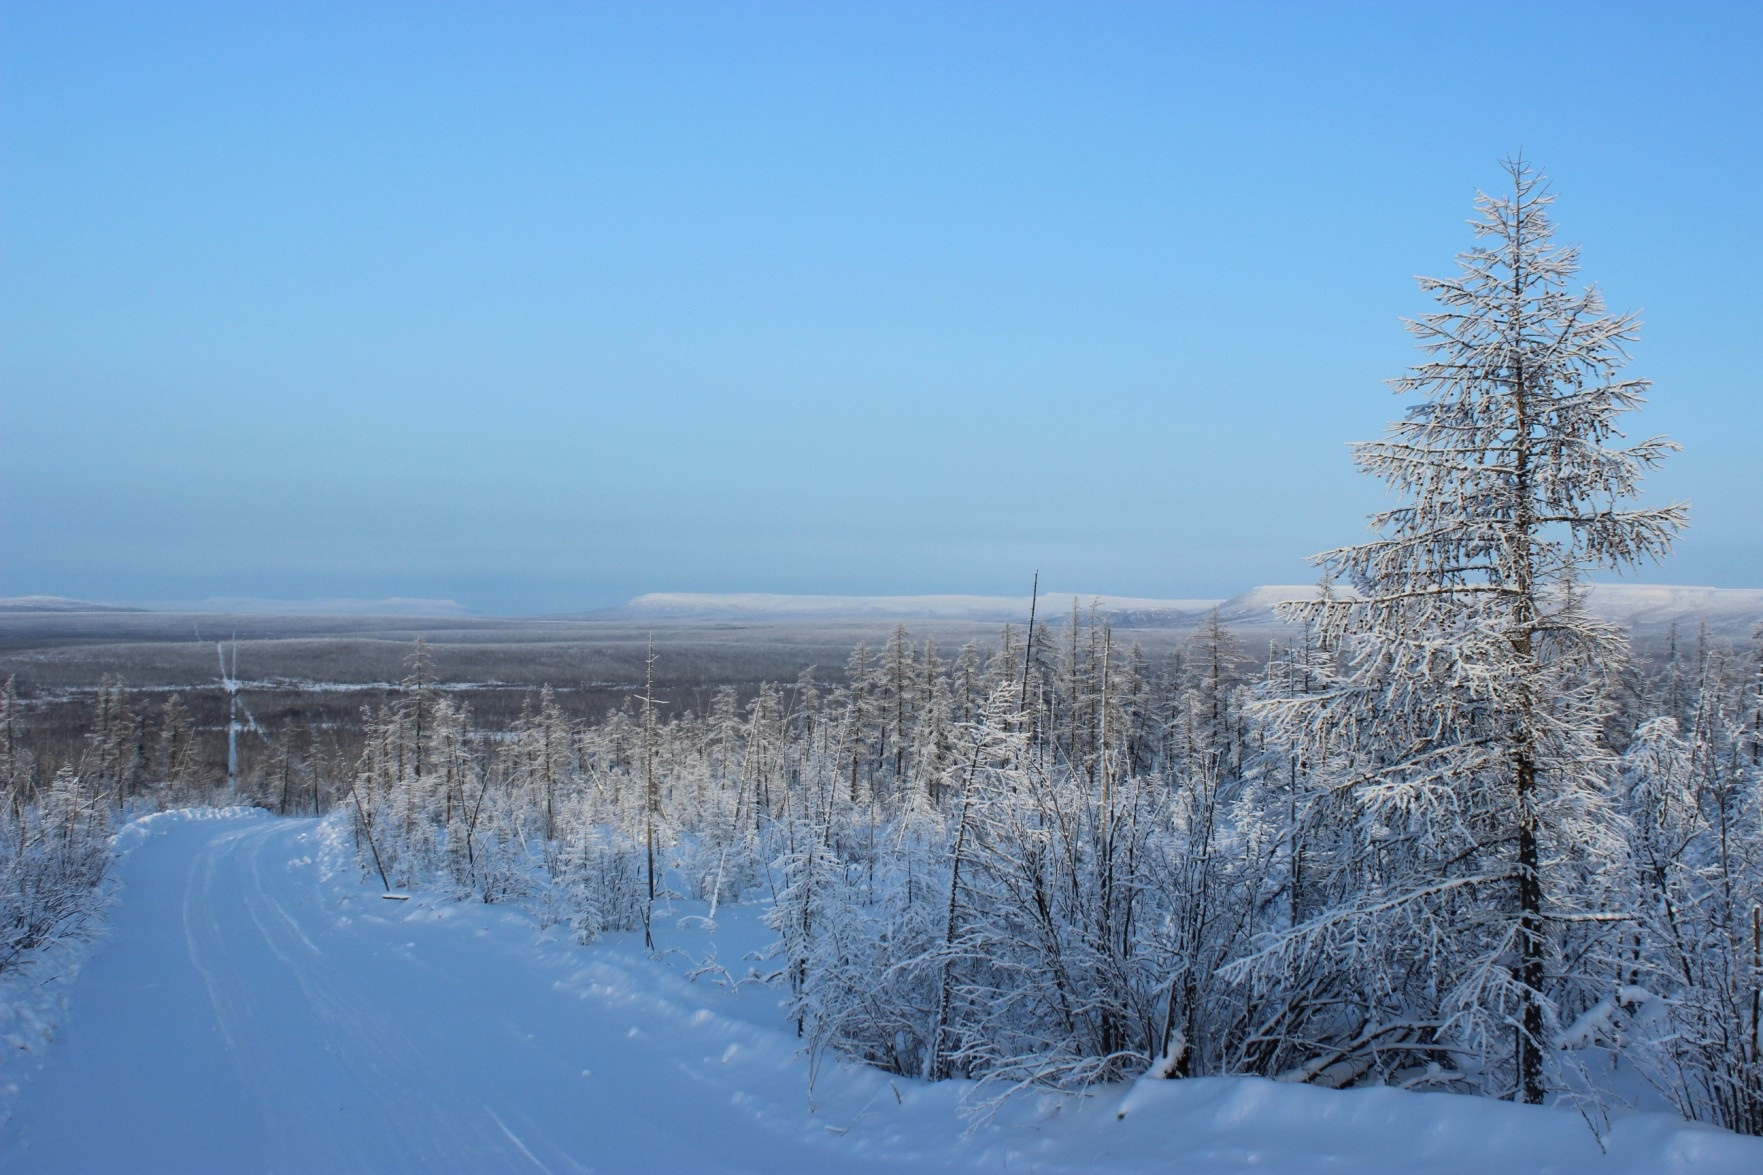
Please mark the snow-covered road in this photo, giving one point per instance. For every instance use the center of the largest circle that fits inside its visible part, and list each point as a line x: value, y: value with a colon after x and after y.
x: 252, y: 1009
x: 235, y: 1021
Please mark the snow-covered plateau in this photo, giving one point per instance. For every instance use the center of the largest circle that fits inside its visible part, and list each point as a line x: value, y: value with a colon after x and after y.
x: 252, y: 1005
x: 1727, y: 611
x: 1730, y: 611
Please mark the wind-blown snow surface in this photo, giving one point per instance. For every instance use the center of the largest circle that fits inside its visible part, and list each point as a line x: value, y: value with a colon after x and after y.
x: 256, y: 1008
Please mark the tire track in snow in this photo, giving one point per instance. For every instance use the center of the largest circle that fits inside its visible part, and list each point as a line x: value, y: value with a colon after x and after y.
x: 455, y: 1117
x: 437, y: 1119
x: 249, y: 1014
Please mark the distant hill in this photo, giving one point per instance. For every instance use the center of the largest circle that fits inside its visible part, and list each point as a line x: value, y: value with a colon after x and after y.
x: 390, y: 606
x: 58, y: 604
x: 1648, y: 609
x: 246, y: 606
x: 761, y: 607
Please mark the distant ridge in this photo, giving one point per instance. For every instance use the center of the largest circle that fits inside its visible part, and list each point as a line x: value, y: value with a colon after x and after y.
x: 1728, y: 611
x: 1646, y: 608
x: 58, y: 604
x: 242, y: 605
x: 761, y: 606
x: 1256, y: 607
x: 339, y: 606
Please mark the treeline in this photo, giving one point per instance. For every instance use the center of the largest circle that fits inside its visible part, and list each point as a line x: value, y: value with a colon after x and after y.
x: 161, y: 748
x: 1041, y: 863
x: 63, y: 786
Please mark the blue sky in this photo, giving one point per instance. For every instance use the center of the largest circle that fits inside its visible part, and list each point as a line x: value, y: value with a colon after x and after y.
x: 538, y: 306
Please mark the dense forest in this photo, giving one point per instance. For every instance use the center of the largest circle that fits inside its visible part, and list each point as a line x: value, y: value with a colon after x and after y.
x: 1446, y: 832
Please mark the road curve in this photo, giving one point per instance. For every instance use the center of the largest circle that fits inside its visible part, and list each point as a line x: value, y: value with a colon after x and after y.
x: 239, y: 1019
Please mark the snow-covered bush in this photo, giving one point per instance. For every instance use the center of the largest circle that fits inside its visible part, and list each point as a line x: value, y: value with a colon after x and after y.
x: 1695, y: 801
x: 53, y: 855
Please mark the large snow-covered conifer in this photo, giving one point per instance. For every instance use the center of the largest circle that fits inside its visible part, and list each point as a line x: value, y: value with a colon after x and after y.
x: 1465, y: 727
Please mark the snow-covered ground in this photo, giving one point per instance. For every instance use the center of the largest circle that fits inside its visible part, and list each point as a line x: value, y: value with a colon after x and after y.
x: 255, y: 1007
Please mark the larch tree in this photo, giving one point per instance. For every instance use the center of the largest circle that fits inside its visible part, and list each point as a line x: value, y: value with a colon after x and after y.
x: 1465, y: 723
x: 177, y: 742
x: 15, y: 790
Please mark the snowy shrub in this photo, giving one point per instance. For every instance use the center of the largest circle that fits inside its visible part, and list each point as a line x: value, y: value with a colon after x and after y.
x: 603, y: 882
x: 1696, y: 807
x: 53, y: 855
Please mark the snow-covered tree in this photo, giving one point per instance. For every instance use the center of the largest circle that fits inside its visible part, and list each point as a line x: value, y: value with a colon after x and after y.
x: 51, y: 862
x: 15, y: 789
x: 114, y: 746
x: 1212, y: 668
x: 1696, y: 829
x: 177, y: 743
x: 1466, y: 725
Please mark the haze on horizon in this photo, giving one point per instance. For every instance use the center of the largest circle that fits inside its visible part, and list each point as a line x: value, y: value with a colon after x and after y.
x: 540, y: 308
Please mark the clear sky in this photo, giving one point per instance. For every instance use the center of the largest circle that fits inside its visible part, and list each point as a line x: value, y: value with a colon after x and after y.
x: 537, y: 306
